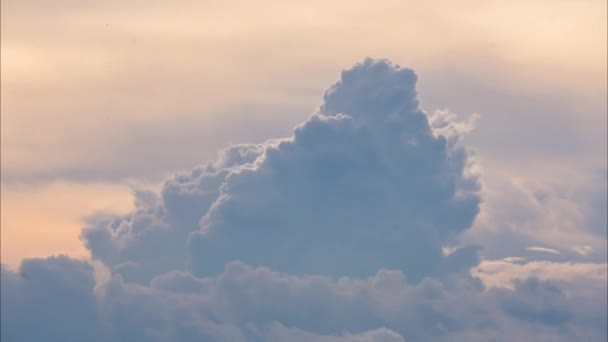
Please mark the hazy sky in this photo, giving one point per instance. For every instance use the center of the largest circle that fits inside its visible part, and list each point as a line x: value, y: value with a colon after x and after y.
x: 94, y: 93
x: 101, y: 99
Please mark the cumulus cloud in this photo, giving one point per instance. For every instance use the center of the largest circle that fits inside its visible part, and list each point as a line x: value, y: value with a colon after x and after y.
x: 349, y: 230
x: 366, y: 182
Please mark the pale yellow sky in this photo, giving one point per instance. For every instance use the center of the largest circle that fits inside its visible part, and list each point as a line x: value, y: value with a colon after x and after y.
x: 97, y: 91
x: 43, y: 220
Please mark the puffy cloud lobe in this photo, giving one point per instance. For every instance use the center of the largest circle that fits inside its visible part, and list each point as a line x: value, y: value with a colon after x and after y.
x: 363, y: 184
x: 152, y: 239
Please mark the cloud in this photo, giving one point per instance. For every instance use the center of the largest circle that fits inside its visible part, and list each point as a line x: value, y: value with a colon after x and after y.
x: 244, y: 303
x: 278, y: 332
x: 130, y: 244
x: 49, y: 300
x: 503, y: 273
x: 364, y: 183
x: 583, y: 250
x: 565, y: 217
x: 351, y: 229
x: 543, y: 250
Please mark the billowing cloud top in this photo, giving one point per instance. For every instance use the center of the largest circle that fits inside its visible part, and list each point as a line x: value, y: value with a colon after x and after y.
x: 364, y: 183
x: 346, y: 231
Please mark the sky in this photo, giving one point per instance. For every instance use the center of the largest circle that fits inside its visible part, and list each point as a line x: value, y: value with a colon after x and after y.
x: 319, y: 171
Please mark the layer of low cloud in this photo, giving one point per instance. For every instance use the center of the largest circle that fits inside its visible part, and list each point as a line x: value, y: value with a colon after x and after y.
x: 503, y: 273
x: 56, y: 300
